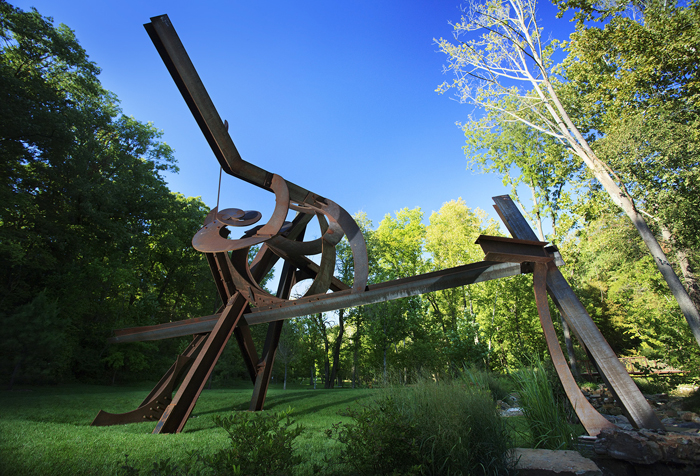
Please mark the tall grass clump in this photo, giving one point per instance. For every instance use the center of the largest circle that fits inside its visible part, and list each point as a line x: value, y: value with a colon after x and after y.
x: 455, y: 428
x: 545, y: 413
x: 379, y: 440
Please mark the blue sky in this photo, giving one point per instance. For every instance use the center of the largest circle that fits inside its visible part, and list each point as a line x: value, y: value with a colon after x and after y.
x: 337, y: 97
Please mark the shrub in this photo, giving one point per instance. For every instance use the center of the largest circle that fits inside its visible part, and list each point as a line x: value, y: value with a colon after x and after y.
x: 261, y: 443
x: 379, y: 440
x: 428, y: 428
x: 545, y: 413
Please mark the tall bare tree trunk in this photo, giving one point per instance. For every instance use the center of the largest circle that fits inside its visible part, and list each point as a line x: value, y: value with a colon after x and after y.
x: 691, y: 280
x: 336, y: 348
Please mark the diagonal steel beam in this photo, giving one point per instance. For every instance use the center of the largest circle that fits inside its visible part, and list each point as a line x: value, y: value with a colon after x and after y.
x: 176, y: 59
x: 436, y: 281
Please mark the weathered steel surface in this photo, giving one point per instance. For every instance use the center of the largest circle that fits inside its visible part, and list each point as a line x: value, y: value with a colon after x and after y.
x: 185, y: 327
x: 634, y: 405
x: 344, y: 298
x: 178, y: 411
x: 498, y: 248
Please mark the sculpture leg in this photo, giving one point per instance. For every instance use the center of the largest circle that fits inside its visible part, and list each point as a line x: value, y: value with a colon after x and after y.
x: 591, y: 420
x: 154, y: 404
x: 272, y: 339
x: 220, y: 266
x: 176, y: 413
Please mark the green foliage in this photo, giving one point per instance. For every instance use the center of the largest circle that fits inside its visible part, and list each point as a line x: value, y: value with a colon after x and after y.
x: 46, y: 430
x: 260, y: 443
x: 545, y: 413
x: 614, y: 277
x: 379, y: 440
x: 507, y: 316
x: 85, y: 214
x: 36, y: 337
x: 427, y: 428
x: 166, y: 467
x: 632, y: 80
x: 524, y: 156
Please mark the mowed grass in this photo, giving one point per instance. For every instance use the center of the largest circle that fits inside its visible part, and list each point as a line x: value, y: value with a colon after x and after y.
x: 46, y: 430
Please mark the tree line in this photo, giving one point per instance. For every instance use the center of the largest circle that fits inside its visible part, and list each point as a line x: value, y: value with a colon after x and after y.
x: 492, y: 325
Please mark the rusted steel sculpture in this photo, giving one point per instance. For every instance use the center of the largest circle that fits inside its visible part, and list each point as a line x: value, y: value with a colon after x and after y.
x: 246, y: 303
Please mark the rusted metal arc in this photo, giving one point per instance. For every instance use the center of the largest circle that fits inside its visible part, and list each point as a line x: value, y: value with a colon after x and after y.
x: 237, y: 217
x: 244, y: 281
x: 356, y: 241
x: 209, y: 240
x: 591, y: 420
x: 634, y: 405
x: 331, y: 236
x: 322, y: 281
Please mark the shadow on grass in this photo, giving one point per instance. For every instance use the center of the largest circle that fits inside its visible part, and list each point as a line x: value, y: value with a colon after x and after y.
x: 293, y: 399
x: 317, y: 408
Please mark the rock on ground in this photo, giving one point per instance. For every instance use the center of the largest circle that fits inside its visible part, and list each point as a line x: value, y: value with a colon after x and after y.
x: 532, y: 462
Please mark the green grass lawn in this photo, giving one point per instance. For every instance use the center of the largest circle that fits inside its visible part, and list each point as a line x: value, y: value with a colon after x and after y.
x: 46, y: 430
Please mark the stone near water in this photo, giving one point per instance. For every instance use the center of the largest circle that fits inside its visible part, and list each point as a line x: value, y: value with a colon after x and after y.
x: 647, y: 447
x: 532, y: 462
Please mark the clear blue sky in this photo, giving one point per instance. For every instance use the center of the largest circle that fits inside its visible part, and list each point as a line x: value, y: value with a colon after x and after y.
x: 337, y: 97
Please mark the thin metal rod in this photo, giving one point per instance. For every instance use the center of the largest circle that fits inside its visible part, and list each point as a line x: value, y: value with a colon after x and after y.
x: 218, y: 191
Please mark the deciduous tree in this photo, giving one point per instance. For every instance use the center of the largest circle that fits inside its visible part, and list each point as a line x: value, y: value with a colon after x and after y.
x: 508, y: 69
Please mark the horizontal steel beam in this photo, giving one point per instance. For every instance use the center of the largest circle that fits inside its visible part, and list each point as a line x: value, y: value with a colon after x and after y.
x: 185, y: 327
x: 510, y: 250
x: 390, y: 290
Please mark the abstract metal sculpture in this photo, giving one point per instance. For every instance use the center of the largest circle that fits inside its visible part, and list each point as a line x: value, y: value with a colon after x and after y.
x: 246, y: 303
